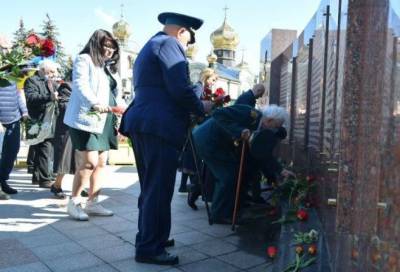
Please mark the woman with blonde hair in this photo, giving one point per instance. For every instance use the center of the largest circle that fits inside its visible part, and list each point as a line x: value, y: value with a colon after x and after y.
x: 208, y: 78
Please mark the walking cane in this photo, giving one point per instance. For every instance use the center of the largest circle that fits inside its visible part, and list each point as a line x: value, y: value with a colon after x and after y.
x: 203, y: 190
x: 239, y: 182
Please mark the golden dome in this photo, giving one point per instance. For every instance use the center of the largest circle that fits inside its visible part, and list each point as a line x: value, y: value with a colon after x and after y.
x: 224, y: 37
x: 191, y: 51
x: 212, y: 58
x: 121, y: 30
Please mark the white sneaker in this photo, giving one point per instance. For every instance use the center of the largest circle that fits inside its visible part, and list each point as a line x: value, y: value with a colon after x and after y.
x: 4, y: 196
x: 93, y: 207
x: 75, y: 211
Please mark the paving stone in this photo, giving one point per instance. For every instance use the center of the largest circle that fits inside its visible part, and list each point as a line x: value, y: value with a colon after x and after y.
x: 179, y: 228
x: 127, y: 236
x: 74, y: 262
x: 98, y: 268
x: 191, y: 237
x: 33, y: 267
x: 44, y: 240
x: 69, y: 224
x: 208, y: 265
x: 84, y: 233
x: 267, y: 267
x: 112, y: 254
x: 120, y: 226
x: 131, y: 265
x: 187, y: 255
x: 215, y: 247
x: 57, y: 251
x: 242, y: 259
x: 103, y: 220
x: 13, y: 252
x: 101, y: 241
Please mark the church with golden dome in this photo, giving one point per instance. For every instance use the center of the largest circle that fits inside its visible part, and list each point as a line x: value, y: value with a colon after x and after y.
x: 129, y: 51
x: 234, y: 77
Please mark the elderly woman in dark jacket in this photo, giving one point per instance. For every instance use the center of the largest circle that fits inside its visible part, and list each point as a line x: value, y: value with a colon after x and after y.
x: 65, y: 157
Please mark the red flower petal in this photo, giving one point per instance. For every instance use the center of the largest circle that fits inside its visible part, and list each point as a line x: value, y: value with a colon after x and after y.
x: 32, y: 40
x: 272, y: 251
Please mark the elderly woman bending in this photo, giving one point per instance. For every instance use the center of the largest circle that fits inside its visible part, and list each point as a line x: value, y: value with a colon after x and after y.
x: 214, y: 141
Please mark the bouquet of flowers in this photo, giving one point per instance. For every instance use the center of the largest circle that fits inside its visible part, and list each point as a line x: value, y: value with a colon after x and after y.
x: 17, y: 61
x: 218, y: 97
x: 40, y: 47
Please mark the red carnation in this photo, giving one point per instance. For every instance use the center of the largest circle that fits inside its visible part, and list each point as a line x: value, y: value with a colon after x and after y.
x: 47, y: 48
x: 227, y: 99
x: 207, y: 91
x: 272, y: 251
x: 33, y: 40
x: 302, y: 215
x: 206, y: 94
x: 310, y: 178
x: 312, y: 250
x: 219, y: 92
x: 118, y: 110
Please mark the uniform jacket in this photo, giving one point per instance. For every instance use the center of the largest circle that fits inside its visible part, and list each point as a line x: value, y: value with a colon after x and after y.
x: 164, y: 95
x: 216, y: 136
x: 90, y: 86
x: 246, y: 98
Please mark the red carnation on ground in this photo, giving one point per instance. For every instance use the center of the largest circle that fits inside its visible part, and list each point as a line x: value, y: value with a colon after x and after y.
x: 302, y: 215
x: 118, y: 110
x: 312, y: 250
x: 33, y: 40
x: 219, y: 92
x: 272, y: 251
x: 310, y: 178
x: 47, y: 48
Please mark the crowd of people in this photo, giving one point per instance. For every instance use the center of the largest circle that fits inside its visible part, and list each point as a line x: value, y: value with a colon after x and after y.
x: 72, y: 124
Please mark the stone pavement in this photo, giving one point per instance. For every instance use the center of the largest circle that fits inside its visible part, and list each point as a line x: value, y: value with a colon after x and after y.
x: 37, y: 235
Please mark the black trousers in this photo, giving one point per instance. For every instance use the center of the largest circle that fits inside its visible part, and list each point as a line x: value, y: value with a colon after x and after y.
x: 43, y: 161
x: 156, y: 162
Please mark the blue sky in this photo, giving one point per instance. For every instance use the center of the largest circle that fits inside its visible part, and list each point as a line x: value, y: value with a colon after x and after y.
x: 77, y: 19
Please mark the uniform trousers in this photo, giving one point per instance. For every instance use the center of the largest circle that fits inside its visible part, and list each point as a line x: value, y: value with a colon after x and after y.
x: 156, y: 162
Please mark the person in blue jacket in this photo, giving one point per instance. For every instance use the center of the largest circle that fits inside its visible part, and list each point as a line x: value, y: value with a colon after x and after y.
x: 250, y: 97
x: 215, y: 143
x: 157, y: 123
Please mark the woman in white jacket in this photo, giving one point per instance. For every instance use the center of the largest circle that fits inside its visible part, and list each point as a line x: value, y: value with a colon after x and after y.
x: 95, y: 90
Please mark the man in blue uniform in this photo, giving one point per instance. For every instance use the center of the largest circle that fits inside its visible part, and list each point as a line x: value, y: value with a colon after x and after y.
x: 250, y: 97
x: 157, y: 124
x: 215, y: 138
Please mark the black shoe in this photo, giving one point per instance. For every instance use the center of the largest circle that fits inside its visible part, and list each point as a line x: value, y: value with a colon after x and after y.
x: 162, y: 259
x: 182, y: 189
x: 58, y: 192
x: 169, y: 243
x: 84, y: 193
x: 46, y: 184
x: 191, y: 200
x: 7, y: 189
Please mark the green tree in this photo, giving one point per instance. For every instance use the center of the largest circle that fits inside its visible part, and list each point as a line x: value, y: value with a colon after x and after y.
x: 50, y: 31
x: 20, y: 35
